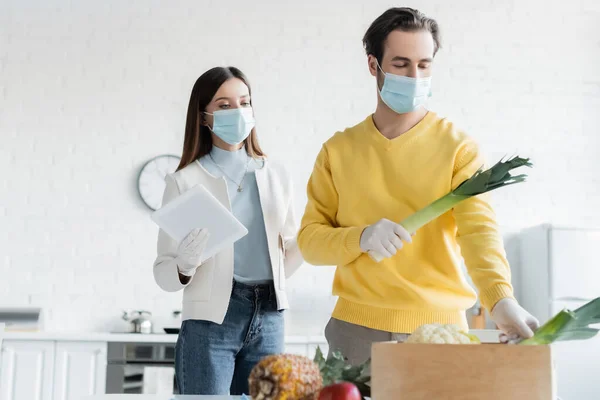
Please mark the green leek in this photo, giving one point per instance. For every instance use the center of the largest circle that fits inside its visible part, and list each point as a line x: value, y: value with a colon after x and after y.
x: 568, y: 325
x: 481, y: 182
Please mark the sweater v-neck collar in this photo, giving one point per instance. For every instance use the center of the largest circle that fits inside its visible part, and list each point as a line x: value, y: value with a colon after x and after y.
x: 404, y: 138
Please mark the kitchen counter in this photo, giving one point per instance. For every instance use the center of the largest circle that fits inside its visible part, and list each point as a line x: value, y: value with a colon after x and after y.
x: 486, y: 335
x: 91, y: 337
x: 124, y: 337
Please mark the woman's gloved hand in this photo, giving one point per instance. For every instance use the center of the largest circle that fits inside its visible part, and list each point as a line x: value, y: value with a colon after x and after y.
x: 189, y: 252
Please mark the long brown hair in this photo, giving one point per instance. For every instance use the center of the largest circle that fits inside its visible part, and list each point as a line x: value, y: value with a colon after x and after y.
x: 198, y: 139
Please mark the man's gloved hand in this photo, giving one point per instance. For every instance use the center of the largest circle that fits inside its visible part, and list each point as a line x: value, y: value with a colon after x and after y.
x: 189, y: 252
x: 384, y: 238
x: 513, y: 320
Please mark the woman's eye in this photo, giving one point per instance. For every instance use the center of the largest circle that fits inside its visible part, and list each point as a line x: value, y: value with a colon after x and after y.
x: 224, y: 106
x: 246, y: 104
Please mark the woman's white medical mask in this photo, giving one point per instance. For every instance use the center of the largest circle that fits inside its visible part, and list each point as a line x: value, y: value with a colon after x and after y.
x: 233, y: 126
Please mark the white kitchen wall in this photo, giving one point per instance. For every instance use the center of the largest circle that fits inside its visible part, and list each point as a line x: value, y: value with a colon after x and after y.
x: 90, y: 90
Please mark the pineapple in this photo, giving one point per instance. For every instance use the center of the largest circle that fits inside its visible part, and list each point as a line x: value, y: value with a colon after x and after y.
x: 285, y: 377
x: 295, y: 377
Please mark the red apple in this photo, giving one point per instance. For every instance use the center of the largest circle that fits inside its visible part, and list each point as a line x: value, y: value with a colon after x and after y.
x: 340, y: 391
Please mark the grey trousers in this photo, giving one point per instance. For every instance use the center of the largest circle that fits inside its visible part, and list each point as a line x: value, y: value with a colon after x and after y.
x: 354, y: 341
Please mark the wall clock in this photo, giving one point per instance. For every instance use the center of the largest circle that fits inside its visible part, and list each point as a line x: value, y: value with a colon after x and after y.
x: 151, y: 180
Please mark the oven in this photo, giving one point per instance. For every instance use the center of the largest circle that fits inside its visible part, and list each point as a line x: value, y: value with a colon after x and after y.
x: 147, y: 368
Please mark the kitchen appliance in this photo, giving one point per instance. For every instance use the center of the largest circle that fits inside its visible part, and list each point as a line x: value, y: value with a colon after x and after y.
x: 560, y: 269
x: 176, y: 323
x: 140, y: 321
x: 21, y: 319
x: 128, y: 364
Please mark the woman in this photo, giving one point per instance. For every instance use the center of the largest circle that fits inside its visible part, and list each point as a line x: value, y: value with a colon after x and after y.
x: 233, y: 303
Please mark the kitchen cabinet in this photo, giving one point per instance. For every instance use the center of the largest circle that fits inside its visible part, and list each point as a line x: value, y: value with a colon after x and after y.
x: 297, y: 348
x: 51, y: 370
x: 27, y: 370
x: 305, y: 347
x: 312, y: 349
x: 79, y: 369
x: 72, y: 366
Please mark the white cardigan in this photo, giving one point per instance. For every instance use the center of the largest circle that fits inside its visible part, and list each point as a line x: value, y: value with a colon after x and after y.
x: 206, y: 296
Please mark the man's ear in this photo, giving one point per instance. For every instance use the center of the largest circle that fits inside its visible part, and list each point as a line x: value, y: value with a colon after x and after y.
x: 372, y: 64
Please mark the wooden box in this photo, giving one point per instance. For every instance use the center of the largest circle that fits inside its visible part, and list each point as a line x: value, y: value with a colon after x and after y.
x: 466, y: 372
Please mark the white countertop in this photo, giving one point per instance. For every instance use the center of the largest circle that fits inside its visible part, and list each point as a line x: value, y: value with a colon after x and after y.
x: 124, y: 337
x: 486, y: 335
x: 92, y: 336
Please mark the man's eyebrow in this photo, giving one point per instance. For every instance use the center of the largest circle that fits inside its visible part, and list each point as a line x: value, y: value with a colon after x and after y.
x: 399, y: 58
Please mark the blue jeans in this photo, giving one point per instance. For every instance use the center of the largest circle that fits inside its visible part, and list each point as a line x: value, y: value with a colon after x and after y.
x: 213, y: 359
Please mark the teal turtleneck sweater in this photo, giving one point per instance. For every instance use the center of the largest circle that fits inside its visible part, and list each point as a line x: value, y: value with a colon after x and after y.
x: 251, y: 262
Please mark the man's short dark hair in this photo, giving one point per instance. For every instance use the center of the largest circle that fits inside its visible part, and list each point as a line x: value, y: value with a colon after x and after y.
x: 400, y: 18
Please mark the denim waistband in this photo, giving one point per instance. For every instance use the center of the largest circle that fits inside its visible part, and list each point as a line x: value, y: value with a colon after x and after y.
x: 251, y: 290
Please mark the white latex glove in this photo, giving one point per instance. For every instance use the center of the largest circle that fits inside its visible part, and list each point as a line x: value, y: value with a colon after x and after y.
x: 189, y: 252
x: 513, y: 320
x: 384, y: 238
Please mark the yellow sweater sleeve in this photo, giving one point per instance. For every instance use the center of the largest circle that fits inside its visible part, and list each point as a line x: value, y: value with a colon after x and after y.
x: 478, y: 235
x: 320, y: 239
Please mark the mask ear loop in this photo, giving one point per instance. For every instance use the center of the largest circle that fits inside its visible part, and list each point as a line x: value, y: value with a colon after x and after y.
x: 203, y: 120
x: 384, y: 75
x: 379, y: 66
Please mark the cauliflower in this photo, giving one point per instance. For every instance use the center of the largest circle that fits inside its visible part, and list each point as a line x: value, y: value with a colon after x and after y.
x: 441, y: 334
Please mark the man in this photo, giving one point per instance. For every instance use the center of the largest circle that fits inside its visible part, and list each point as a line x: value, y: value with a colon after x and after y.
x: 372, y: 175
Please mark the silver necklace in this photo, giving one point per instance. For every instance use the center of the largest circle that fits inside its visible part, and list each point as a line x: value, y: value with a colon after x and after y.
x: 239, y: 185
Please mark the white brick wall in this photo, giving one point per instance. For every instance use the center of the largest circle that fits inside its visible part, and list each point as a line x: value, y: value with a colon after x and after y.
x: 90, y: 90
